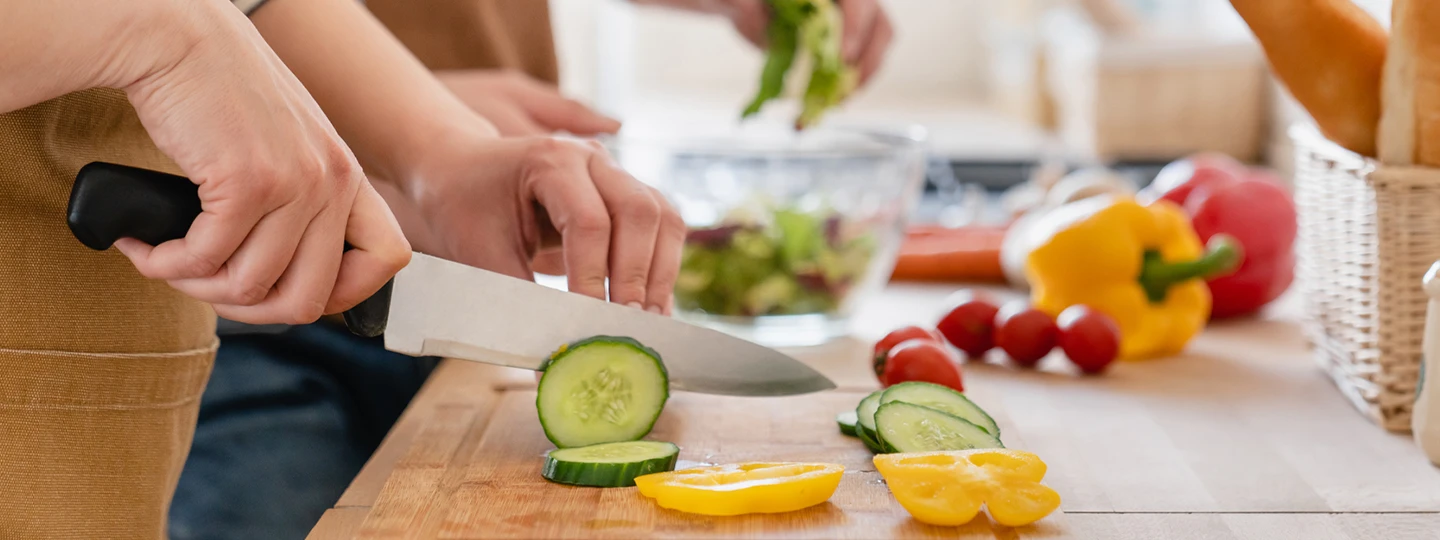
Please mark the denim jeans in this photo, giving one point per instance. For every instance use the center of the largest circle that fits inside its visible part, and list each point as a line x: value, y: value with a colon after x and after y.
x: 286, y: 422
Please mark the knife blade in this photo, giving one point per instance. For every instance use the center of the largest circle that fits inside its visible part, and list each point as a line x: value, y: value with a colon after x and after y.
x: 435, y: 307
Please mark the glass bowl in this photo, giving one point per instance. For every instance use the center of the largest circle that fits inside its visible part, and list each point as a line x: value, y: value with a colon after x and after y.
x: 788, y: 231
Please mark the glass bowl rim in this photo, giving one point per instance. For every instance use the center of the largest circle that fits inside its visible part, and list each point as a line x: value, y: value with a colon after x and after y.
x: 910, y: 137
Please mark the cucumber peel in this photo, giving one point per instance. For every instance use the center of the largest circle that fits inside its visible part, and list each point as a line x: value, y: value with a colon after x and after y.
x: 614, y: 464
x: 846, y: 420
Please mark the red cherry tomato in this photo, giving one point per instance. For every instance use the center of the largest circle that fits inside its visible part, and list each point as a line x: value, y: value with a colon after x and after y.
x: 923, y: 360
x: 1090, y: 338
x: 1025, y: 333
x: 970, y: 325
x: 896, y: 337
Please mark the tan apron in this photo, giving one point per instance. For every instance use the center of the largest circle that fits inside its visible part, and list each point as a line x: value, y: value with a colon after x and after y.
x: 474, y: 34
x: 101, y: 370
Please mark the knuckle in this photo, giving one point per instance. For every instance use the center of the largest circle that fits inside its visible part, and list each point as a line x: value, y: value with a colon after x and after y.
x: 642, y: 209
x: 249, y: 294
x: 547, y: 153
x: 634, y: 280
x: 397, y: 259
x: 197, y: 265
x: 670, y: 218
x: 304, y: 312
x: 591, y: 224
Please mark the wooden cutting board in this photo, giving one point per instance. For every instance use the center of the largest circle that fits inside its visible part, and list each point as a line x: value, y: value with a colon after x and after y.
x: 1241, y: 438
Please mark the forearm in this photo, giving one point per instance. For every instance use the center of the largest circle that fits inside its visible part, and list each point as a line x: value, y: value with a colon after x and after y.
x: 52, y: 48
x: 383, y: 101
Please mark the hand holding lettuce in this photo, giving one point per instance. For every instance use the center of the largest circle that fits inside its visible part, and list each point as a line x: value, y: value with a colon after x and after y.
x: 812, y: 27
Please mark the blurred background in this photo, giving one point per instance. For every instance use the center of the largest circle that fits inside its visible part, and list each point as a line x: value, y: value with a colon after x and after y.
x: 1000, y: 85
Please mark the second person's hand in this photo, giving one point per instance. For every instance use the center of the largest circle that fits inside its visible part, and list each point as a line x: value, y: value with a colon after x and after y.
x: 519, y: 105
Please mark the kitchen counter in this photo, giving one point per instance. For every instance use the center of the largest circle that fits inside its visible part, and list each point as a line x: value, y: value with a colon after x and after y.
x: 1243, y: 437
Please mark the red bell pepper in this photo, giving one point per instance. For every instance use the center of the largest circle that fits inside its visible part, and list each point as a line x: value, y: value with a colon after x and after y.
x: 1223, y: 197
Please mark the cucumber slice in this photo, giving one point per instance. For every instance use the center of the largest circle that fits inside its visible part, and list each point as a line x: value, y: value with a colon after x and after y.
x: 943, y: 399
x: 610, y: 464
x: 865, y: 412
x: 905, y: 427
x: 868, y: 437
x: 865, y: 421
x: 846, y: 420
x: 599, y: 390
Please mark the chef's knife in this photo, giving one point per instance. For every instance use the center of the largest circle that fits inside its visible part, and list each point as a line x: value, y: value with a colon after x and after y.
x: 435, y: 307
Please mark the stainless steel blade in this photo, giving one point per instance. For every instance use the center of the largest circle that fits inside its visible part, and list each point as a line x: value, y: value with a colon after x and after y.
x: 443, y: 308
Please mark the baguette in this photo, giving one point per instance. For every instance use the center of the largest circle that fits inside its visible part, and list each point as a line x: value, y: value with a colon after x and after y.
x: 1410, y: 118
x: 1330, y: 54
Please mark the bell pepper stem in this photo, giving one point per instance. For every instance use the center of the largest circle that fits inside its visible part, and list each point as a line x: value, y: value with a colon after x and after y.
x: 1223, y: 255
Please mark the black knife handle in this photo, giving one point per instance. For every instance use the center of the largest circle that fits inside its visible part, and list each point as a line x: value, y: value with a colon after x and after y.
x: 109, y: 202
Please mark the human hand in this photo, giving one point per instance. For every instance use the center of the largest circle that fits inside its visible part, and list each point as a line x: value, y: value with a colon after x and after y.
x: 494, y: 203
x: 280, y: 191
x: 867, y: 29
x: 519, y: 105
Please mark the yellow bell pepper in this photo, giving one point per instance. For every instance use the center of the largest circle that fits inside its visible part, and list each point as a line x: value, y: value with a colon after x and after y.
x: 746, y: 488
x: 948, y: 488
x: 1143, y: 266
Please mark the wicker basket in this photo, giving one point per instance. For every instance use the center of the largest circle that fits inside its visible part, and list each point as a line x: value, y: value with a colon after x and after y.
x: 1368, y: 233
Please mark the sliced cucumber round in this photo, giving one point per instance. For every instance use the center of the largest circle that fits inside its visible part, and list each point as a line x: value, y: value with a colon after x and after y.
x: 943, y: 399
x: 610, y: 464
x: 865, y: 412
x: 865, y: 421
x: 846, y: 420
x: 870, y: 439
x: 599, y: 390
x: 906, y: 427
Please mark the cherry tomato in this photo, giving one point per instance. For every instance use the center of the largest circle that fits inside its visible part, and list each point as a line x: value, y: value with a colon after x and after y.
x: 970, y: 325
x: 1090, y: 338
x: 923, y: 360
x: 896, y: 337
x: 1025, y: 333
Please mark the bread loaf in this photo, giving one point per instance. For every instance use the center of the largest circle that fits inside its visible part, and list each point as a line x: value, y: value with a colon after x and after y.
x: 1410, y: 121
x: 1330, y: 54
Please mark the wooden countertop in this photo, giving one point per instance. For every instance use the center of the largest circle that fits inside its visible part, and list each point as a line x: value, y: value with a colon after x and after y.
x: 1243, y: 437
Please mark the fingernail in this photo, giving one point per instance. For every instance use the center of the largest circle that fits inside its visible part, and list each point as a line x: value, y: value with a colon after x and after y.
x: 635, y: 305
x: 655, y: 309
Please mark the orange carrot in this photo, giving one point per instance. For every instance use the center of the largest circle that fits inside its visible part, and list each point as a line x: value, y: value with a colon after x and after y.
x: 943, y: 254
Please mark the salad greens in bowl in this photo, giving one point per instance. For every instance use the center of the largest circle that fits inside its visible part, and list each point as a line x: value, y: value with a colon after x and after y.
x: 788, y: 230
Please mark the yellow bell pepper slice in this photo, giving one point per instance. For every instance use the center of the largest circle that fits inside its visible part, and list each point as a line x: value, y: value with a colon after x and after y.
x: 948, y: 488
x: 746, y: 488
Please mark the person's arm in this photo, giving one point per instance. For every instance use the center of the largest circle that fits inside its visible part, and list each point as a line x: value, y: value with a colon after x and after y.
x: 384, y: 102
x: 54, y: 48
x: 279, y: 190
x: 480, y: 196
